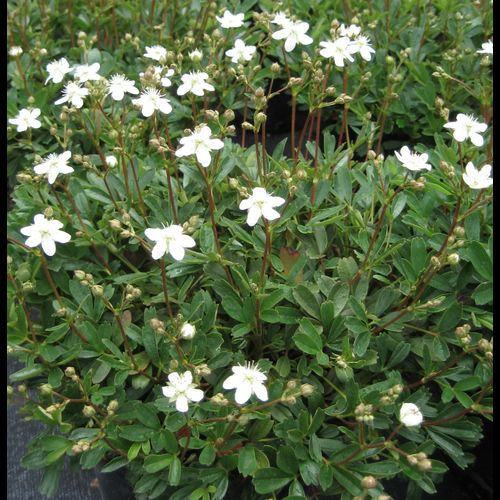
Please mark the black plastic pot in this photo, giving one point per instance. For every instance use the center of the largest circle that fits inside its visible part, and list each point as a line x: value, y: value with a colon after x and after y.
x: 114, y: 485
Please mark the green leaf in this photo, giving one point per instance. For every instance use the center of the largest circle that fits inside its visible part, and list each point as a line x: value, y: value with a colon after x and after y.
x: 286, y: 461
x: 207, y: 455
x: 480, y: 260
x: 348, y: 480
x: 307, y: 338
x: 26, y: 373
x: 418, y: 254
x: 155, y: 463
x: 399, y: 354
x: 483, y: 294
x: 247, y: 463
x: 325, y: 476
x: 136, y: 433
x: 175, y: 471
x: 115, y: 464
x: 306, y: 300
x: 270, y: 479
x: 347, y: 268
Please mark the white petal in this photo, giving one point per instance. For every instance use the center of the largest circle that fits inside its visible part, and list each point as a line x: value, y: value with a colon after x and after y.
x: 269, y: 213
x: 253, y: 215
x: 243, y: 393
x: 33, y: 241
x: 290, y: 43
x: 476, y: 139
x: 195, y: 394
x: 168, y: 391
x: 216, y: 144
x: 231, y: 382
x: 246, y: 203
x: 203, y: 156
x: 61, y: 236
x: 148, y: 109
x: 52, y: 175
x: 154, y: 234
x: 181, y: 404
x: 176, y: 250
x: 260, y: 391
x: 186, y: 241
x: 460, y: 134
x: 159, y: 249
x: 48, y: 246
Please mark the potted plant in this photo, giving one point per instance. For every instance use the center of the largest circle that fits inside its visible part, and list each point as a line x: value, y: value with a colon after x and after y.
x: 219, y: 314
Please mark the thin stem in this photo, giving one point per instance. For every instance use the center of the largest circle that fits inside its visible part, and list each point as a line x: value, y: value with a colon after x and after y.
x: 165, y: 289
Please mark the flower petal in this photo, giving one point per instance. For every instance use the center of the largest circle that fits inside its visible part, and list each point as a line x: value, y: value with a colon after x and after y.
x: 159, y: 249
x: 243, y: 393
x: 253, y: 215
x: 232, y: 382
x: 260, y: 391
x: 181, y: 403
x: 176, y: 250
x: 49, y: 246
x: 195, y: 394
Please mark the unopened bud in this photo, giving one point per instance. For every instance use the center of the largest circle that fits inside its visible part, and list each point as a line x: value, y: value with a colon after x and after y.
x: 424, y: 465
x: 79, y: 274
x: 69, y: 371
x: 229, y: 115
x: 306, y: 390
x: 88, y: 411
x: 453, y: 259
x: 187, y: 331
x: 369, y: 482
x: 275, y: 67
x: 46, y: 389
x: 97, y: 290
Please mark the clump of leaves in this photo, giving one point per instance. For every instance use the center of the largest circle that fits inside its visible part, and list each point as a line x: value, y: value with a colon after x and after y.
x: 224, y: 312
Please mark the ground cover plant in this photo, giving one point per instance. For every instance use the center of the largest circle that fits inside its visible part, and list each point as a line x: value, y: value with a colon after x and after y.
x: 250, y: 243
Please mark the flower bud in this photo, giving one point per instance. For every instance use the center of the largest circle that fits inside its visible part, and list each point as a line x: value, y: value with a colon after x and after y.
x: 69, y: 371
x: 369, y: 482
x: 275, y: 67
x: 79, y: 274
x: 229, y: 115
x: 435, y: 262
x: 306, y: 390
x: 453, y: 259
x: 219, y: 399
x: 187, y: 331
x: 424, y: 465
x: 459, y: 231
x: 97, y: 290
x: 260, y: 118
x: 291, y: 384
x: 247, y: 126
x: 113, y: 405
x: 88, y: 411
x: 46, y: 389
x: 22, y: 388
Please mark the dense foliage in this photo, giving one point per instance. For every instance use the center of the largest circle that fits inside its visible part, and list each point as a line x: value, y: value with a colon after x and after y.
x: 360, y: 288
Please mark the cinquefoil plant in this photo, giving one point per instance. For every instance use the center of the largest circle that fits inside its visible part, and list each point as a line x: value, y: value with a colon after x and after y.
x: 227, y: 313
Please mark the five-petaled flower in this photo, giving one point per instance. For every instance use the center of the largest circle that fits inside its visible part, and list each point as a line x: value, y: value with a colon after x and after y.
x: 57, y: 70
x: 339, y: 49
x: 199, y: 143
x: 466, y: 126
x: 241, y: 52
x: 294, y: 32
x: 26, y: 118
x: 169, y: 239
x: 152, y: 100
x: 118, y: 85
x: 280, y: 18
x: 195, y: 83
x: 180, y: 388
x: 410, y: 415
x: 477, y: 179
x: 259, y: 203
x: 229, y: 20
x: 156, y: 52
x: 45, y: 232
x: 351, y: 31
x: 15, y: 51
x: 412, y: 161
x: 361, y: 45
x: 487, y: 48
x: 247, y: 380
x: 53, y: 165
x: 74, y: 94
x: 87, y: 72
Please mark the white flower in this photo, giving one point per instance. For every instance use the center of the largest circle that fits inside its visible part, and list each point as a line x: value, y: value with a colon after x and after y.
x: 196, y: 55
x: 294, y: 32
x: 339, y: 49
x: 180, y: 388
x: 156, y: 52
x: 229, y: 20
x: 477, y: 179
x: 15, y: 51
x: 195, y: 83
x: 412, y: 161
x: 187, y: 331
x: 165, y: 80
x: 118, y: 85
x: 487, y: 48
x: 169, y: 239
x: 74, y: 94
x: 45, y: 232
x: 53, y: 165
x: 351, y: 31
x: 87, y: 72
x: 241, y: 52
x: 281, y: 19
x: 26, y: 118
x: 259, y: 203
x: 57, y: 70
x: 199, y: 143
x: 362, y: 45
x: 247, y: 380
x: 465, y: 127
x: 410, y: 415
x: 151, y: 100
x: 111, y: 161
